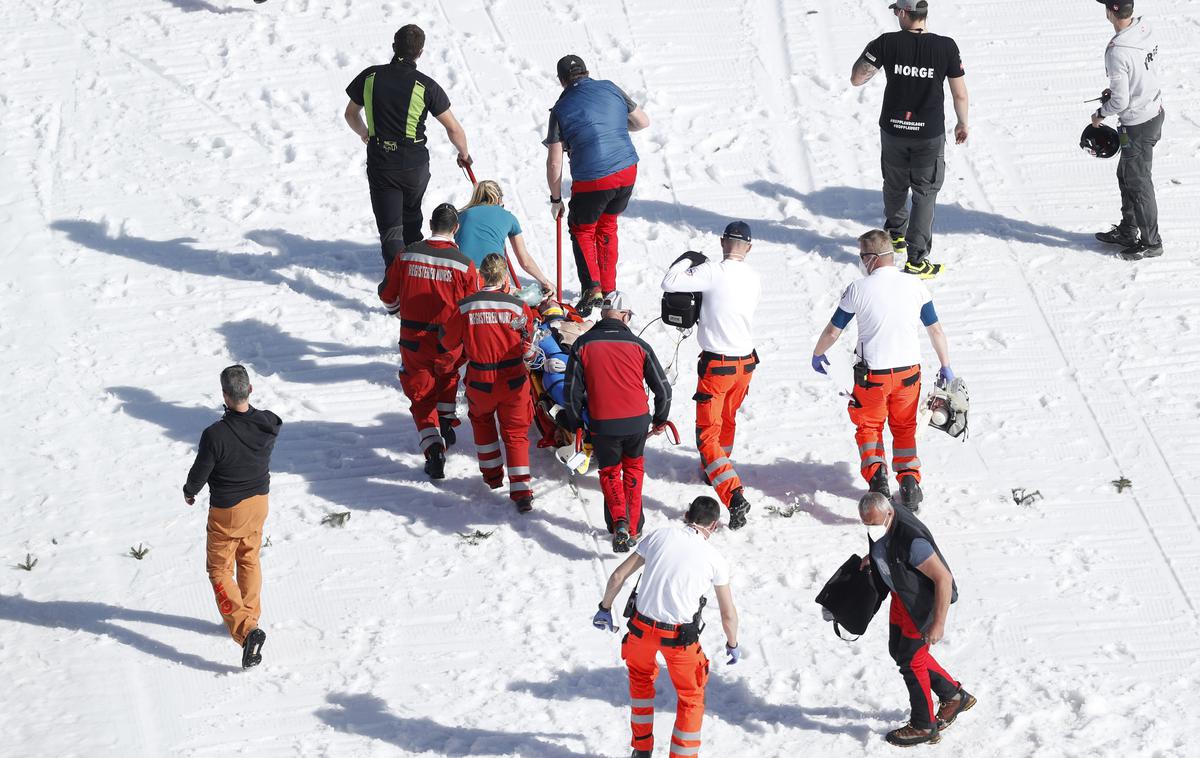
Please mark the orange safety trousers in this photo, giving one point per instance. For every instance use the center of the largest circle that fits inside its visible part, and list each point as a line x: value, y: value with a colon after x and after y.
x: 721, y: 386
x: 234, y: 539
x: 429, y: 379
x: 513, y: 408
x: 892, y: 395
x: 688, y: 669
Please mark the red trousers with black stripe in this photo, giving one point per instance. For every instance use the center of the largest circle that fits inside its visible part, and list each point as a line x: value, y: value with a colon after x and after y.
x: 622, y: 469
x: 920, y: 671
x: 891, y: 397
x: 429, y: 379
x: 688, y: 669
x: 721, y: 386
x: 513, y: 409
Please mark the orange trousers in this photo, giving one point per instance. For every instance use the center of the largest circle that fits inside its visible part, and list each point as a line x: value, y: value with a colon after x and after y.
x: 688, y: 669
x: 234, y: 539
x: 892, y: 396
x: 513, y: 409
x: 429, y: 379
x: 721, y: 386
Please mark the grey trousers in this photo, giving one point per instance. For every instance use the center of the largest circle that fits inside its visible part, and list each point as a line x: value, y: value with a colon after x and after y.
x: 917, y: 165
x: 1139, y: 207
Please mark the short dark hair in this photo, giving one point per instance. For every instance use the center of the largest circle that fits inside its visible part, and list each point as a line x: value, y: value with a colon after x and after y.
x: 1124, y: 12
x: 235, y: 383
x: 918, y: 14
x: 444, y: 219
x: 703, y: 510
x: 409, y: 41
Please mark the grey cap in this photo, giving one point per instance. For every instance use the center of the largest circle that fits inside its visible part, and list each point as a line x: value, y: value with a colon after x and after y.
x: 912, y: 5
x: 615, y: 301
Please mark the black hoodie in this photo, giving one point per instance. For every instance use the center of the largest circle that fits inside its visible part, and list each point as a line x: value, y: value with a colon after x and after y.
x: 234, y: 459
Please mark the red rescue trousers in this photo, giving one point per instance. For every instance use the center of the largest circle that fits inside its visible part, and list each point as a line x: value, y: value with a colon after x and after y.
x: 890, y: 395
x: 513, y: 409
x: 722, y: 384
x: 919, y: 669
x: 688, y: 669
x: 592, y: 221
x: 429, y: 379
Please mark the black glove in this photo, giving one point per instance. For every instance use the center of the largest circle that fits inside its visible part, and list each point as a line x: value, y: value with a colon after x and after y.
x: 692, y: 256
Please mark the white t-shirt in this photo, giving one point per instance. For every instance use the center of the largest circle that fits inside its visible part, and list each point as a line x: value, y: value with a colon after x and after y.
x: 680, y: 568
x: 731, y: 293
x: 887, y: 306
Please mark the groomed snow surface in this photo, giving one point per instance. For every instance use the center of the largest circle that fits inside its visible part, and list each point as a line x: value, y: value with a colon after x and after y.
x: 179, y: 193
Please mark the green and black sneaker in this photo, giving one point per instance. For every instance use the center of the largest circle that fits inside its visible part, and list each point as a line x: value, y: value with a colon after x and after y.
x: 923, y: 268
x: 899, y: 245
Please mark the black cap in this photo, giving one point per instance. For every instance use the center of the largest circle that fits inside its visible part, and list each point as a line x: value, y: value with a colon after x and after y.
x: 1116, y: 5
x: 737, y: 230
x: 570, y: 65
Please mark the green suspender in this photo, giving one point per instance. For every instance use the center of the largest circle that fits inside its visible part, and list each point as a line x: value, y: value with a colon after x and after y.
x: 368, y: 96
x: 416, y: 107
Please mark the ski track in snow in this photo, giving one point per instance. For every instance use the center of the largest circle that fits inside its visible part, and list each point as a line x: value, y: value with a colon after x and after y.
x: 181, y: 193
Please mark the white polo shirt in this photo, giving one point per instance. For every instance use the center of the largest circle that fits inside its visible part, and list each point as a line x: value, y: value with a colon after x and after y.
x: 680, y: 568
x: 731, y: 293
x: 887, y: 306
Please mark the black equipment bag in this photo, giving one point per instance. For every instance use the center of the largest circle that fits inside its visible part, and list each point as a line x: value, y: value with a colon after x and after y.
x: 851, y: 596
x: 682, y: 309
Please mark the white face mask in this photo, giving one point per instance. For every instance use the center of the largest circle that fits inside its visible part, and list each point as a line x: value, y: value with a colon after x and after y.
x: 877, y: 531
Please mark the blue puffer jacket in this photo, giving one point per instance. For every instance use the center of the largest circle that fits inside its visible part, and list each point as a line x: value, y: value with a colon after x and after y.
x: 593, y: 120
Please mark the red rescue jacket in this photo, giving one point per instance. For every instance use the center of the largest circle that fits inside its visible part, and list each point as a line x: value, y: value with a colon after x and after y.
x: 608, y: 371
x: 422, y: 286
x: 493, y: 328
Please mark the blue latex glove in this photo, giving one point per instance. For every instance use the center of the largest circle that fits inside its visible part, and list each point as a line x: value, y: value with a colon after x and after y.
x: 819, y: 362
x: 603, y: 620
x: 734, y: 653
x: 945, y: 375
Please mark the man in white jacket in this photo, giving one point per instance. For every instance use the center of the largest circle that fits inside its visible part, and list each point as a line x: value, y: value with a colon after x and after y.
x: 1135, y: 98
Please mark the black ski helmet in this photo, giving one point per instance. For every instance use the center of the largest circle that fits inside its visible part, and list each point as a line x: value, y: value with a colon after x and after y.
x: 1101, y: 141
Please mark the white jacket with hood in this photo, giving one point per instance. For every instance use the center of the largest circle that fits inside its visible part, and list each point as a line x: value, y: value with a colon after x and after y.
x: 1129, y: 60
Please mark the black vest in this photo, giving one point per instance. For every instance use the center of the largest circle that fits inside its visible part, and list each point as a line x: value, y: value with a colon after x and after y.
x: 914, y: 589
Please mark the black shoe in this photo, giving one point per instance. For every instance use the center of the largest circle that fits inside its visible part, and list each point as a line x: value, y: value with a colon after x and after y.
x: 923, y: 268
x: 621, y: 539
x: 910, y: 493
x: 446, y: 426
x: 948, y: 710
x: 435, y: 462
x: 1141, y: 250
x: 1119, y: 235
x: 899, y: 245
x: 879, y: 482
x: 738, y: 508
x: 591, y: 299
x: 252, y: 648
x: 909, y: 735
x: 525, y: 504
x: 640, y: 753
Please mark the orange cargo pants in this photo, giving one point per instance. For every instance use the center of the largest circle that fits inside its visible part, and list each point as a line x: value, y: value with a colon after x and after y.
x: 688, y: 669
x: 721, y: 386
x: 890, y: 395
x: 234, y: 539
x: 512, y: 407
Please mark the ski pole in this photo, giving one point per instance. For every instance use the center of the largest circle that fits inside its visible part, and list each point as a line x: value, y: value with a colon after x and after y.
x: 512, y: 271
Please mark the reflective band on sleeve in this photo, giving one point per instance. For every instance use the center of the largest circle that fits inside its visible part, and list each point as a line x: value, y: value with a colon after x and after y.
x: 368, y: 100
x: 416, y: 107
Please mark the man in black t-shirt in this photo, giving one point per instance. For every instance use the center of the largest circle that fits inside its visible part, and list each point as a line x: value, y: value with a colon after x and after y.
x: 397, y: 98
x: 912, y: 124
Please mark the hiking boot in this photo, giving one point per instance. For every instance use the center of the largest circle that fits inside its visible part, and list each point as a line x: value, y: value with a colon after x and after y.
x: 910, y: 493
x: 1141, y: 250
x: 640, y: 753
x: 879, y: 482
x: 948, y: 710
x: 908, y: 735
x: 738, y: 508
x: 252, y: 648
x: 525, y: 504
x: 446, y: 426
x: 591, y: 299
x: 923, y: 268
x: 899, y: 245
x: 621, y: 539
x: 1119, y: 235
x: 435, y: 462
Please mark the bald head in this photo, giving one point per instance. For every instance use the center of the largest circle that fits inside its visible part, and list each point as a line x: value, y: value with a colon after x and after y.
x: 874, y: 508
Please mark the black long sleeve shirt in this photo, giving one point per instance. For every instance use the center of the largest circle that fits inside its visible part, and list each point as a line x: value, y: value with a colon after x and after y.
x: 234, y: 458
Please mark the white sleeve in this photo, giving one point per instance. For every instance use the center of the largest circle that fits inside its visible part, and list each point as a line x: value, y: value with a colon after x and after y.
x: 720, y: 569
x: 683, y: 277
x: 847, y: 303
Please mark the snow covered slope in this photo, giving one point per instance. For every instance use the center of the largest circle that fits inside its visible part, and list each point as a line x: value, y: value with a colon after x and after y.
x: 179, y: 192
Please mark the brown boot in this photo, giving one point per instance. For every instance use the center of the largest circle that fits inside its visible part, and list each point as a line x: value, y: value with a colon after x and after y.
x: 948, y: 710
x: 908, y: 735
